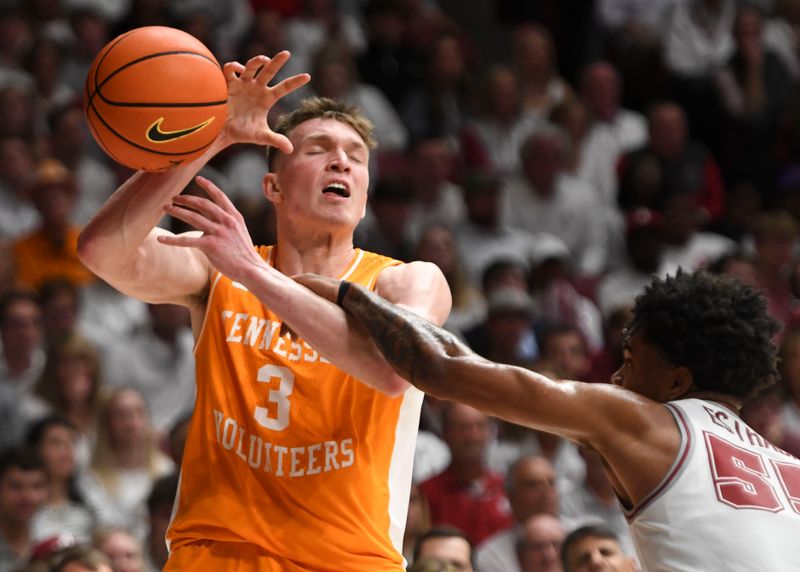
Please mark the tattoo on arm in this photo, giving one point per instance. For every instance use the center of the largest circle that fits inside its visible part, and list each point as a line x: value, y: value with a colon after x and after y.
x: 414, y: 347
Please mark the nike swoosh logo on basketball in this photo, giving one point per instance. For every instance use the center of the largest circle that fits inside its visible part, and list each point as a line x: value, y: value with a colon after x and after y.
x: 158, y: 135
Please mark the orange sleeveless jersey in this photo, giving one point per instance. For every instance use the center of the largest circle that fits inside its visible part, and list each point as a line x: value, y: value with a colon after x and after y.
x: 287, y: 452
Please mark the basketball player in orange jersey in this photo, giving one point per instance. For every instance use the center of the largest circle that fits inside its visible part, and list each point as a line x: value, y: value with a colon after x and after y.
x: 703, y: 491
x: 291, y: 462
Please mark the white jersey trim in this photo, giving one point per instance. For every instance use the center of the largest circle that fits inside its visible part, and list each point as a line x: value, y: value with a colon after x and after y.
x: 205, y: 314
x: 401, y: 465
x: 674, y: 471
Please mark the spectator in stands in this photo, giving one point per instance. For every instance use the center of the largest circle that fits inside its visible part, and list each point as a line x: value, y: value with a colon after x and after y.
x: 438, y: 245
x: 91, y: 31
x: 608, y: 360
x: 156, y: 359
x: 755, y: 90
x: 790, y: 381
x: 763, y: 415
x: 23, y: 489
x: 515, y: 443
x: 613, y: 130
x: 594, y: 547
x: 483, y: 238
x: 438, y: 108
x: 448, y: 544
x: 643, y: 245
x: 681, y: 165
x: 555, y: 295
x: 781, y: 36
x: 774, y: 236
x: 125, y: 462
x: 699, y: 37
x: 388, y: 62
x: 502, y: 124
x: 432, y: 565
x: 17, y: 113
x: 122, y: 547
x: 176, y: 440
x: 531, y: 490
x: 21, y: 336
x: 736, y: 264
x: 743, y: 201
x: 159, y: 511
x: 685, y: 245
x: 506, y: 334
x: 81, y: 559
x: 334, y: 75
x: 539, y: 544
x: 467, y: 494
x: 60, y: 301
x: 71, y: 385
x: 436, y: 198
x: 43, y: 62
x: 543, y: 198
x: 563, y: 347
x: 317, y: 23
x: 533, y: 58
x: 594, y: 500
x: 634, y: 31
x: 387, y: 231
x: 65, y: 511
x: 418, y: 522
x: 17, y: 215
x: 69, y: 142
x: 51, y: 251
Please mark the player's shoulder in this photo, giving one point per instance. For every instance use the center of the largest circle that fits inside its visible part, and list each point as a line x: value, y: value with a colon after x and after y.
x: 410, y: 275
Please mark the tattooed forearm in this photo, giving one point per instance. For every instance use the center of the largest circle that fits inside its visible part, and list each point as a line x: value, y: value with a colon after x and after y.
x: 414, y: 347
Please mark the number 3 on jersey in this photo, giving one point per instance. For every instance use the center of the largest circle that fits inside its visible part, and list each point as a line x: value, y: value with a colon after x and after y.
x: 279, y: 397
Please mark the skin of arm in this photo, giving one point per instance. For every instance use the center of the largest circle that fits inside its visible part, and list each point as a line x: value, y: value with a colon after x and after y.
x: 120, y: 243
x: 636, y: 437
x: 418, y: 287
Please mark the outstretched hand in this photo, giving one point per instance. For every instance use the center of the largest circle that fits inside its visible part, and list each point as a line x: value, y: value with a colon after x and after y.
x: 250, y: 98
x: 323, y: 286
x: 225, y: 240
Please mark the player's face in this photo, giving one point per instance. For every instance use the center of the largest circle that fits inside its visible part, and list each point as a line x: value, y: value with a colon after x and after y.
x: 645, y: 370
x: 324, y: 181
x: 592, y: 554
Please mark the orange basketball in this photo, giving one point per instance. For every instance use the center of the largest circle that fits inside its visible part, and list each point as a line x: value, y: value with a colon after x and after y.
x: 155, y: 97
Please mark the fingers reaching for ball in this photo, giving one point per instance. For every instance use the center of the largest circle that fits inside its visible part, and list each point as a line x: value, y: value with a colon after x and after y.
x: 250, y: 98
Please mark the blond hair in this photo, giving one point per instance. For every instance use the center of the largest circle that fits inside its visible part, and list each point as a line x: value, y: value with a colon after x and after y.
x: 74, y: 346
x: 104, y: 458
x: 323, y: 108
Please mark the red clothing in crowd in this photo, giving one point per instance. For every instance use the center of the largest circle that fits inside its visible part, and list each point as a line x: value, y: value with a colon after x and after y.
x: 478, y: 508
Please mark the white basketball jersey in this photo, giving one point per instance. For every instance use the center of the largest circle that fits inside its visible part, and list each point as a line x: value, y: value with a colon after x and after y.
x: 730, y: 502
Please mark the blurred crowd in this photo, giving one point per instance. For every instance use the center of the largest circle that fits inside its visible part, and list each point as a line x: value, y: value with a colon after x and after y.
x: 550, y: 157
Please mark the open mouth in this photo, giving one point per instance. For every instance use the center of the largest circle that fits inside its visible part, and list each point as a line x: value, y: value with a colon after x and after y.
x: 337, y: 189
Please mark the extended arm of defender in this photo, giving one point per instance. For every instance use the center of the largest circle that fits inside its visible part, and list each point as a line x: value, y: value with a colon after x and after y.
x: 630, y: 431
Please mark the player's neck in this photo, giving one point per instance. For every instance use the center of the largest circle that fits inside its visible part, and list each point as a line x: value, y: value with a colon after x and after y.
x: 325, y: 253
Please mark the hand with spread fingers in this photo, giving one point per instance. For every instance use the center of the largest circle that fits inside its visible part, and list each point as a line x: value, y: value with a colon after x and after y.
x: 250, y: 97
x: 225, y: 240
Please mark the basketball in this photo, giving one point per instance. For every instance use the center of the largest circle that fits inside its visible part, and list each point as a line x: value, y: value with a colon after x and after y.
x: 155, y: 97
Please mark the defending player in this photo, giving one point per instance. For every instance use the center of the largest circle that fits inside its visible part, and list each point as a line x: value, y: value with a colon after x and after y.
x: 290, y: 463
x: 703, y: 490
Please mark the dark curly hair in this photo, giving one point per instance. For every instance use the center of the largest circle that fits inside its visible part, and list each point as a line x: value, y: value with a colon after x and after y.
x: 715, y: 326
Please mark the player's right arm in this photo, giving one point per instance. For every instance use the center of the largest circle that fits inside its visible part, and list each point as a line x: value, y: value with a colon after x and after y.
x: 120, y: 242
